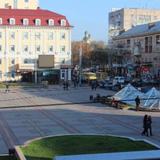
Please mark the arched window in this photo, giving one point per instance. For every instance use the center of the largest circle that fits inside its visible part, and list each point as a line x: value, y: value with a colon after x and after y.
x: 12, y: 21
x: 63, y: 22
x: 25, y: 22
x: 37, y: 22
x: 1, y: 21
x: 51, y: 22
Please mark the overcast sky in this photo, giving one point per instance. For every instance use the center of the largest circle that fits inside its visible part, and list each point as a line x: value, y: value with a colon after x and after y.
x: 92, y: 15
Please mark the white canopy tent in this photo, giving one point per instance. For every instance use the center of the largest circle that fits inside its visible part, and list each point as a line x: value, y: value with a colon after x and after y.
x: 152, y: 100
x: 128, y: 95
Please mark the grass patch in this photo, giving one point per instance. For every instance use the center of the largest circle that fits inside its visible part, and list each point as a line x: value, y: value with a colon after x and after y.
x: 46, y: 149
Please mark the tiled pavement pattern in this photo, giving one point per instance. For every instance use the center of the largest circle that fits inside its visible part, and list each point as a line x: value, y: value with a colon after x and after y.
x: 21, y: 124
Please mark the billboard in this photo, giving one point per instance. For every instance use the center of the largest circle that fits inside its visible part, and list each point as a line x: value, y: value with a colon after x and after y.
x: 46, y: 61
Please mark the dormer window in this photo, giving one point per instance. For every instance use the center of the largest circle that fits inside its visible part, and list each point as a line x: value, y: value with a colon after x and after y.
x: 63, y: 22
x: 25, y: 22
x: 12, y: 21
x: 51, y: 22
x: 1, y: 21
x: 37, y: 22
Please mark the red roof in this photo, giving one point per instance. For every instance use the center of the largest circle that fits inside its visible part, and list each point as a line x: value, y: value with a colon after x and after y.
x: 31, y: 15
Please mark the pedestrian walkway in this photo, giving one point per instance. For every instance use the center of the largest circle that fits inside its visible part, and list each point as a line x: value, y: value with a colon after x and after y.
x: 41, y: 96
x: 19, y: 125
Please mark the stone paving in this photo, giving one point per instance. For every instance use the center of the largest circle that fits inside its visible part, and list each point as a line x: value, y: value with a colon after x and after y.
x: 42, y: 96
x: 19, y: 125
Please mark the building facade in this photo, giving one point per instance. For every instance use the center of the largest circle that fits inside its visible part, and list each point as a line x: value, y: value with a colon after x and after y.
x: 19, y: 4
x: 121, y: 20
x: 142, y: 44
x: 25, y: 34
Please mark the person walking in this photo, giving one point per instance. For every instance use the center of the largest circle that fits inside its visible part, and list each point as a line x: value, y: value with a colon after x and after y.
x: 149, y: 125
x: 137, y: 101
x: 145, y: 130
x: 92, y: 85
x: 67, y: 85
x: 7, y: 88
x: 64, y: 85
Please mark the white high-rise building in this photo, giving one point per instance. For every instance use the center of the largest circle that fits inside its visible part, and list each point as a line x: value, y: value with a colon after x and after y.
x: 19, y: 4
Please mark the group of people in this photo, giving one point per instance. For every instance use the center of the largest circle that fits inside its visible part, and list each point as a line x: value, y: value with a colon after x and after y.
x: 147, y: 125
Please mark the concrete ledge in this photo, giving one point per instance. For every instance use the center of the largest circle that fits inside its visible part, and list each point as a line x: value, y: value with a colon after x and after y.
x: 19, y: 153
x: 113, y: 156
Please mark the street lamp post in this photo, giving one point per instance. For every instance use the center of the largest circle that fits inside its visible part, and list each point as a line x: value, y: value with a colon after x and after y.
x: 80, y: 65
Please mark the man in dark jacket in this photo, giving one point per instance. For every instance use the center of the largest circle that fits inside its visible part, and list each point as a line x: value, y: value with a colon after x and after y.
x: 137, y: 100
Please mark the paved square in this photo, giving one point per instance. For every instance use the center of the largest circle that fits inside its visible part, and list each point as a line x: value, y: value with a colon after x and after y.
x: 18, y: 125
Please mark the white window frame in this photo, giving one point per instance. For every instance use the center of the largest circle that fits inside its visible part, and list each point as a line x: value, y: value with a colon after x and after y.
x: 12, y: 21
x: 63, y: 49
x: 25, y: 35
x: 38, y: 35
x: 1, y: 21
x: 12, y: 48
x: 51, y: 22
x: 25, y: 22
x: 63, y: 35
x: 38, y: 48
x: 51, y: 49
x: 37, y: 22
x: 50, y: 36
x: 25, y: 48
x: 63, y: 22
x: 12, y: 35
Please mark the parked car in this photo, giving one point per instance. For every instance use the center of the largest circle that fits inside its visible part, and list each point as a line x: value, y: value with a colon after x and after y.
x: 118, y: 80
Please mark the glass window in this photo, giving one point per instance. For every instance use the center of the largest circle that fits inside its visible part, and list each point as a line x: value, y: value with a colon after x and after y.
x: 51, y: 22
x: 63, y: 35
x: 50, y: 36
x: 25, y: 35
x: 63, y: 22
x: 50, y: 48
x: 38, y: 35
x: 38, y: 48
x: 12, y: 48
x: 12, y: 35
x: 63, y: 48
x: 12, y: 21
x: 25, y: 22
x: 25, y: 48
x: 0, y: 35
x: 1, y: 21
x: 158, y: 39
x: 0, y: 48
x: 12, y: 61
x: 37, y: 22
